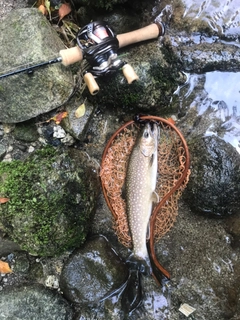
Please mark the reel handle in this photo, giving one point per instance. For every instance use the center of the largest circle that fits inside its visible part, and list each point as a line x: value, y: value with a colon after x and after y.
x: 91, y: 83
x: 129, y: 73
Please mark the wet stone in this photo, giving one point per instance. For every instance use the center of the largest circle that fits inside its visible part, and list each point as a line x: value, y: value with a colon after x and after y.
x: 92, y: 272
x: 213, y: 187
x: 33, y: 303
x: 26, y: 132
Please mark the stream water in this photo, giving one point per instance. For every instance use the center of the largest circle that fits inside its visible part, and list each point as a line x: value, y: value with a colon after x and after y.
x: 222, y: 16
x: 219, y: 92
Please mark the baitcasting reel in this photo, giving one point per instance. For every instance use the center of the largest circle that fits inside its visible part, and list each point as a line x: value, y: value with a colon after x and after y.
x: 99, y: 47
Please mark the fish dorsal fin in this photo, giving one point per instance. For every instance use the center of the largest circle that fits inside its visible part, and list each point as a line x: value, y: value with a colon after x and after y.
x: 155, y: 197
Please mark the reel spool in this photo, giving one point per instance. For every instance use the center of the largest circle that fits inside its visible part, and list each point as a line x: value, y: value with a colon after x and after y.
x: 173, y: 174
x: 99, y: 46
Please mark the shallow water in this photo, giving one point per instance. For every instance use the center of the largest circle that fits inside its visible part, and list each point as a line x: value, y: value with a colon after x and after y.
x: 222, y: 16
x: 218, y: 93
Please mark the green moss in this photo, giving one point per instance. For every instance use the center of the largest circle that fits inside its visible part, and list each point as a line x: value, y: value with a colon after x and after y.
x: 44, y: 214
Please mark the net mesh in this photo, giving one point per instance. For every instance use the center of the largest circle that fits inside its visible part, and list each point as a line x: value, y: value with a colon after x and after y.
x: 171, y: 165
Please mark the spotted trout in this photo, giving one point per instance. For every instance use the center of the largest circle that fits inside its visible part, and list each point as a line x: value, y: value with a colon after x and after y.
x: 141, y: 181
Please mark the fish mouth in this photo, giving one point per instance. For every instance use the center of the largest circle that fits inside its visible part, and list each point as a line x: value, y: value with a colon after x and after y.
x: 154, y: 127
x: 151, y: 127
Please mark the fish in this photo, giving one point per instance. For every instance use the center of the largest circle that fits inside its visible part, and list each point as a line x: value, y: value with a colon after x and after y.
x: 140, y: 194
x: 141, y: 179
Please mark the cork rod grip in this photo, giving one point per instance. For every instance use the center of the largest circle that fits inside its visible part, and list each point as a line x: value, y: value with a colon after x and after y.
x: 70, y: 56
x: 151, y: 31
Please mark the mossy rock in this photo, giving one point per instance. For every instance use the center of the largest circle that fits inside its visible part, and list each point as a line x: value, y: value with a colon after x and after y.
x: 52, y: 198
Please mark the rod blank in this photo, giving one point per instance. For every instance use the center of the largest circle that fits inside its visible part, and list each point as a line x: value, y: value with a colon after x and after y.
x: 31, y: 68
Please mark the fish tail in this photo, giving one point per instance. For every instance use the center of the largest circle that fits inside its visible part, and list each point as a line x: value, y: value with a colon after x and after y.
x: 141, y: 265
x: 132, y: 295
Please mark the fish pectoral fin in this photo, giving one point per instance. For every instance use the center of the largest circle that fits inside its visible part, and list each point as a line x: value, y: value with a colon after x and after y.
x: 155, y: 197
x: 152, y: 159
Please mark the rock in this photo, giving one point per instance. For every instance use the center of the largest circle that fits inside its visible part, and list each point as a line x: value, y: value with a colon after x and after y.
x: 27, y: 38
x: 52, y: 202
x: 7, y: 246
x: 205, y: 57
x: 26, y: 131
x: 52, y: 282
x: 33, y: 302
x: 232, y: 226
x: 68, y: 140
x: 58, y: 132
x: 213, y: 187
x: 3, y: 151
x: 21, y: 264
x: 77, y: 126
x: 92, y: 272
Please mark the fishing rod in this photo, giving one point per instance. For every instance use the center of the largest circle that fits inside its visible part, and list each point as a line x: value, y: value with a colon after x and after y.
x: 98, y: 44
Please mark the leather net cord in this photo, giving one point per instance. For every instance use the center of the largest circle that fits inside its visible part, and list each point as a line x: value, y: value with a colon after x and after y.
x: 173, y: 174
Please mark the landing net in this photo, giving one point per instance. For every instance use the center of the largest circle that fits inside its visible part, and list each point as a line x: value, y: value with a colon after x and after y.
x: 172, y: 161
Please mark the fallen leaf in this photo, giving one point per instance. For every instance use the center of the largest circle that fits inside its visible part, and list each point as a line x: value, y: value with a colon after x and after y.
x: 171, y: 120
x: 80, y: 111
x: 58, y: 117
x: 48, y: 7
x: 64, y: 10
x: 42, y: 9
x: 4, y: 267
x: 4, y: 200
